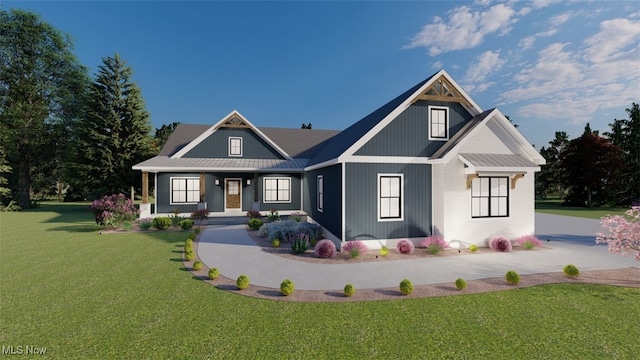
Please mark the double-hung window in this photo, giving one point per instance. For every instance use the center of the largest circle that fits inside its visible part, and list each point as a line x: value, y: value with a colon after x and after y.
x: 320, y: 195
x: 277, y: 190
x: 185, y: 190
x: 390, y: 197
x: 438, y: 123
x: 235, y: 146
x: 490, y: 197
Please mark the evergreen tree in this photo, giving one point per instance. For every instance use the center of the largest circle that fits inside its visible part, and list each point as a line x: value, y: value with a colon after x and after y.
x: 626, y: 134
x: 549, y: 179
x: 161, y: 136
x: 114, y: 134
x: 41, y: 83
x: 5, y: 192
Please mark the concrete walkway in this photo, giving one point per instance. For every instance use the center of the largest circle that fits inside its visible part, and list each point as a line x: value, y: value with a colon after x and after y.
x: 571, y: 240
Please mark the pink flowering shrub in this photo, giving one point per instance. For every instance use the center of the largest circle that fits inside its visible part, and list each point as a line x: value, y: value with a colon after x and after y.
x: 405, y: 247
x: 113, y: 210
x: 325, y: 249
x: 500, y: 244
x: 623, y: 232
x: 528, y: 242
x: 355, y: 245
x: 434, y: 244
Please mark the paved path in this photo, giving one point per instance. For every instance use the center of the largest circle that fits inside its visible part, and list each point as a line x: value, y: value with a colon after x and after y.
x: 571, y: 240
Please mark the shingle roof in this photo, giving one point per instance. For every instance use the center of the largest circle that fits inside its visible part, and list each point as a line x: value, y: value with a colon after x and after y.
x: 181, y: 136
x: 166, y: 163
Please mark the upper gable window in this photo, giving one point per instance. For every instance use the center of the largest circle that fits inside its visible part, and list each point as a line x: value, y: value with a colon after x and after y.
x: 235, y: 146
x: 438, y: 123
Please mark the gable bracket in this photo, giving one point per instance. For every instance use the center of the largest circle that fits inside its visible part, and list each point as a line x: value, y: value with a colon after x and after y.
x: 470, y: 178
x: 515, y: 179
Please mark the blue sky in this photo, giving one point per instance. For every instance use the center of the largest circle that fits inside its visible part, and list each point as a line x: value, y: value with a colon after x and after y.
x: 550, y: 65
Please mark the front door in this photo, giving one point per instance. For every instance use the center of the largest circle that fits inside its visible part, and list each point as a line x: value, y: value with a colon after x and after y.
x: 232, y: 194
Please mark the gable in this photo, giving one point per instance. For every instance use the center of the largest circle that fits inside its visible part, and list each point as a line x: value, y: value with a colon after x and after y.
x: 216, y: 145
x: 409, y: 133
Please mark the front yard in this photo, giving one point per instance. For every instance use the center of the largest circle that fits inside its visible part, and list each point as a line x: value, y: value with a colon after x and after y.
x: 79, y: 294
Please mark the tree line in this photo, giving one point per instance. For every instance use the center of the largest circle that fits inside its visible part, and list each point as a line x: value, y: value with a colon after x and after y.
x: 594, y: 170
x: 61, y: 130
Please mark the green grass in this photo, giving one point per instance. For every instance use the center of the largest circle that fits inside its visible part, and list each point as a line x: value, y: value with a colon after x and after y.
x: 84, y: 295
x: 553, y: 206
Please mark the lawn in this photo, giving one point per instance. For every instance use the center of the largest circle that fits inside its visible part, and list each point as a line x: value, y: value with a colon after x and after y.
x: 79, y: 294
x: 553, y: 206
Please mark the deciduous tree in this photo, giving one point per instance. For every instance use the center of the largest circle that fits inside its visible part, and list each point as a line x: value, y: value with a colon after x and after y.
x: 622, y: 233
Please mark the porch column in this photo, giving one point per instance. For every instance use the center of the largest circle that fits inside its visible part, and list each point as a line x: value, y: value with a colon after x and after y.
x: 202, y: 204
x: 145, y: 207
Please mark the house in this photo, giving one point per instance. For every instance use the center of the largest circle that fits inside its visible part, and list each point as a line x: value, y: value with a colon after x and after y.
x: 430, y: 161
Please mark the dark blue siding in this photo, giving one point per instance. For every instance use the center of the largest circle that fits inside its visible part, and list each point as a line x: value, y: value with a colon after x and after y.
x: 331, y: 216
x: 362, y: 207
x: 296, y: 198
x: 217, y: 146
x: 408, y: 134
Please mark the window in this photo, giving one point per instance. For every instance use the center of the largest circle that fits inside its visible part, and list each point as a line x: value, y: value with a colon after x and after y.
x: 277, y: 190
x: 490, y: 197
x: 438, y: 123
x: 185, y: 190
x: 235, y: 146
x: 390, y: 197
x: 320, y: 195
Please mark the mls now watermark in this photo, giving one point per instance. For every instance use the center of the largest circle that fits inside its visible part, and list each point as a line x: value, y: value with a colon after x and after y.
x: 23, y: 350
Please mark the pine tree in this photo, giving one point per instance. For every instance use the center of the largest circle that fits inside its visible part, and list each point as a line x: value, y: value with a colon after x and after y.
x: 626, y: 134
x: 114, y: 134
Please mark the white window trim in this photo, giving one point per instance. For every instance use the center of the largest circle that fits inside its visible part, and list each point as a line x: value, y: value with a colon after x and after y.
x: 182, y: 178
x: 380, y: 218
x: 489, y: 197
x: 320, y: 193
x: 446, y: 111
x: 231, y: 138
x: 264, y: 189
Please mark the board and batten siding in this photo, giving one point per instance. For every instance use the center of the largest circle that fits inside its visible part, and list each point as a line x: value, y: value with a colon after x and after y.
x: 331, y: 216
x: 408, y: 134
x: 361, y: 202
x: 217, y: 146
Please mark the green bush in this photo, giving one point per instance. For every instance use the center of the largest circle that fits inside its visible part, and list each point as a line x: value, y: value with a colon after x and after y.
x: 188, y: 242
x: 275, y: 242
x: 189, y: 255
x: 213, y: 273
x: 188, y: 246
x: 300, y: 243
x: 197, y: 265
x: 161, y: 223
x: 461, y: 284
x: 255, y: 224
x: 196, y: 230
x: 354, y: 253
x: 186, y: 224
x: 145, y: 224
x: 406, y: 287
x: 286, y: 288
x: 473, y: 248
x: 192, y: 236
x: 512, y: 277
x: 384, y: 251
x: 349, y: 290
x: 571, y: 270
x: 242, y: 282
x: 175, y: 220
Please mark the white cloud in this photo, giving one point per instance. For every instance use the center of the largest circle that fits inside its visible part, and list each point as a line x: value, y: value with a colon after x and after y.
x: 437, y: 65
x: 475, y: 78
x: 617, y: 39
x: 539, y: 4
x: 559, y: 19
x: 527, y: 42
x: 464, y: 29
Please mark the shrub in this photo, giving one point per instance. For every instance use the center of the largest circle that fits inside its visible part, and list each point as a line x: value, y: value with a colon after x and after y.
x: 161, y: 223
x: 512, y: 277
x: 313, y: 230
x: 473, y: 248
x: 254, y: 214
x: 197, y: 265
x: 213, y: 273
x: 189, y: 255
x: 434, y: 244
x: 275, y: 242
x: 461, y: 284
x: 528, y: 242
x: 255, y: 224
x: 349, y: 290
x: 175, y: 220
x: 500, y: 244
x: 200, y: 215
x: 196, y: 231
x: 273, y: 215
x: 242, y: 282
x: 191, y: 236
x: 286, y: 288
x: 295, y: 217
x: 406, y: 287
x: 300, y: 243
x: 186, y: 224
x: 384, y: 251
x: 188, y: 242
x: 571, y: 270
x: 145, y: 224
x: 113, y: 210
x: 355, y: 248
x: 405, y: 247
x: 325, y: 249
